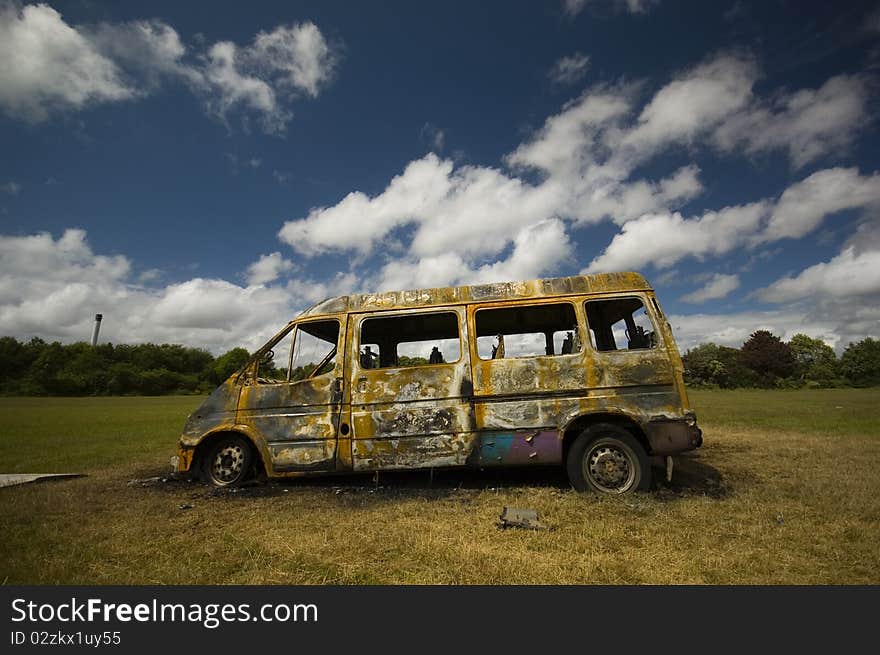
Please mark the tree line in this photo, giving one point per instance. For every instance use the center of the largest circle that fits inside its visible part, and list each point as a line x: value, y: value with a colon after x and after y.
x: 765, y: 361
x: 38, y: 368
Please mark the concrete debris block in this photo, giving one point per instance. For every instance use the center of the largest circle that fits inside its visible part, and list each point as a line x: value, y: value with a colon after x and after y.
x: 12, y: 479
x: 511, y: 517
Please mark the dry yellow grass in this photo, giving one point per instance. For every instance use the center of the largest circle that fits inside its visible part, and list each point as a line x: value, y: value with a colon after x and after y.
x: 754, y: 506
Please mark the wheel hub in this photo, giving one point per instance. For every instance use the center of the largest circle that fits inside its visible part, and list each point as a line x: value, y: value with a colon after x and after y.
x: 228, y: 463
x: 609, y: 468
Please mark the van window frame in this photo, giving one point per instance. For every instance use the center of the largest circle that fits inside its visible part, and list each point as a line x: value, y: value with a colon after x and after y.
x: 573, y: 301
x: 335, y: 350
x: 252, y: 368
x: 660, y: 342
x: 363, y: 317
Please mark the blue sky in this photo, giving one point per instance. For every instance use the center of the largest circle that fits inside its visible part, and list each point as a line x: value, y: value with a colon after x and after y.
x: 199, y: 172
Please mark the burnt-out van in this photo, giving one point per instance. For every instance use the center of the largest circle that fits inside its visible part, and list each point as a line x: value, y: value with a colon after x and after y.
x: 581, y: 372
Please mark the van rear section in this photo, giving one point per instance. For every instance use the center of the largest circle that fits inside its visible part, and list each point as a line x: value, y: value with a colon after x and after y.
x: 582, y: 372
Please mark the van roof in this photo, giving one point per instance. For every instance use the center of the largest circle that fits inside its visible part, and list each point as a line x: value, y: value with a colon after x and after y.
x: 543, y: 288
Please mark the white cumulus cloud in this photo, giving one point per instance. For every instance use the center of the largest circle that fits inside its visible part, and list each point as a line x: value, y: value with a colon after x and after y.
x: 807, y: 124
x: 847, y: 274
x: 662, y: 240
x: 53, y: 287
x: 538, y: 250
x: 804, y: 205
x: 718, y: 286
x: 268, y: 268
x: 46, y: 64
x: 297, y: 55
x: 695, y: 102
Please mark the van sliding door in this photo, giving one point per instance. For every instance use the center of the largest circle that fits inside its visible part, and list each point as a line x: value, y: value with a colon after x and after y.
x: 529, y: 376
x: 410, y: 389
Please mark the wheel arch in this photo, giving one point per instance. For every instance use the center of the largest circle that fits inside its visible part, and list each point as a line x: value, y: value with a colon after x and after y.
x: 256, y: 443
x: 577, y: 425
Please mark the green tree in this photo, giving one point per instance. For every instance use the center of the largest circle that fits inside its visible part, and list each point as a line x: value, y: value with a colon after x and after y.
x: 716, y: 366
x: 769, y: 357
x: 122, y: 378
x: 703, y: 366
x: 227, y: 364
x: 147, y: 356
x: 860, y: 362
x: 85, y: 370
x: 43, y: 376
x: 197, y: 360
x: 815, y: 361
x: 15, y: 360
x: 158, y: 381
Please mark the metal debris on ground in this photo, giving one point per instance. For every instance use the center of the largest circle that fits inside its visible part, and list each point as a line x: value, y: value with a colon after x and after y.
x: 12, y: 479
x: 146, y: 482
x: 185, y: 506
x: 512, y: 517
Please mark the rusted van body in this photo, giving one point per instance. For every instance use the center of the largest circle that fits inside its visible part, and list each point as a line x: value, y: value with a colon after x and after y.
x: 578, y: 371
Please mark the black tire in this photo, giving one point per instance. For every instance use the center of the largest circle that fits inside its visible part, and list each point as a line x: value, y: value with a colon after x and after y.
x: 228, y: 462
x: 609, y: 459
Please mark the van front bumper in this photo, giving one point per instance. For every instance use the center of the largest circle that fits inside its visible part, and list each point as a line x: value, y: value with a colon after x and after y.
x: 182, y: 461
x: 668, y: 436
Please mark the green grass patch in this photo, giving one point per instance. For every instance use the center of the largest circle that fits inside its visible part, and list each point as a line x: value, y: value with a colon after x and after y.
x: 821, y: 411
x: 784, y: 491
x: 60, y: 435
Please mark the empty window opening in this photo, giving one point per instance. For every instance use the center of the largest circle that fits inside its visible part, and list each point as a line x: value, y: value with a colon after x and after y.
x: 620, y: 324
x: 532, y: 331
x: 409, y: 340
x: 314, y: 349
x: 309, y: 351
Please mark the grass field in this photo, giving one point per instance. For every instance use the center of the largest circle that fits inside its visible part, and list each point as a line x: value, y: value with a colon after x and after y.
x: 786, y: 490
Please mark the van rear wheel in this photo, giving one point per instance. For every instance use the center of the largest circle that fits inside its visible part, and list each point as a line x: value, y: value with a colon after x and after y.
x: 608, y: 459
x: 228, y: 462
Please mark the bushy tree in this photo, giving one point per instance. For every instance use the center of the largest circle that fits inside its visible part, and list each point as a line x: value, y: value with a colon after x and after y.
x: 15, y: 361
x: 227, y: 364
x: 716, y: 366
x: 43, y: 376
x: 769, y: 357
x: 860, y: 362
x: 815, y: 361
x: 703, y: 366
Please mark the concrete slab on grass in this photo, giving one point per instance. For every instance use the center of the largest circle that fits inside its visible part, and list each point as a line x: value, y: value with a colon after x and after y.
x: 12, y: 479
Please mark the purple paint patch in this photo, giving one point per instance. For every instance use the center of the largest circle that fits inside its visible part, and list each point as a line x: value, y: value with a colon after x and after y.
x: 520, y: 448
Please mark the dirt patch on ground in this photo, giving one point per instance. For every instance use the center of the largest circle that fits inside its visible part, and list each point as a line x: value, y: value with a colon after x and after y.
x: 692, y: 477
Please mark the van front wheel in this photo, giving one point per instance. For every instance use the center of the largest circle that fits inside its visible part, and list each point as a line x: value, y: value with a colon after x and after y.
x: 228, y: 462
x: 608, y: 459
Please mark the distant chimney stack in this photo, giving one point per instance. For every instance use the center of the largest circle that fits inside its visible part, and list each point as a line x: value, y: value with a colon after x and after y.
x: 98, y: 318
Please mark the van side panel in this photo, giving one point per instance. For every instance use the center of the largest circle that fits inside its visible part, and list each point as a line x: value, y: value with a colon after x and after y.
x: 412, y: 416
x: 522, y: 405
x: 299, y: 421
